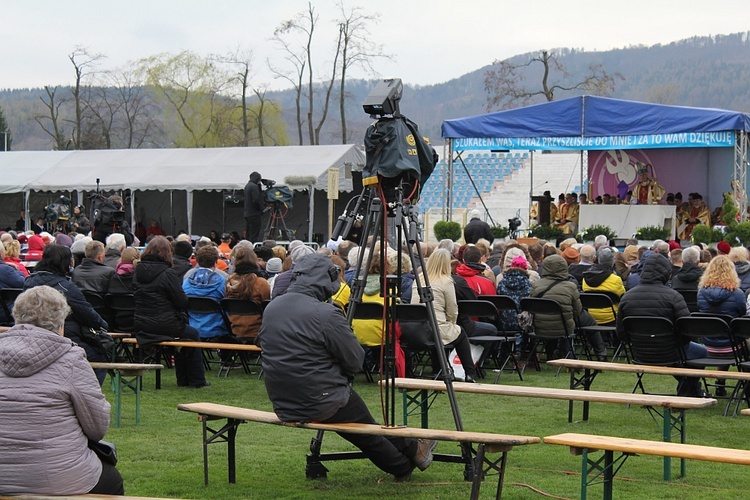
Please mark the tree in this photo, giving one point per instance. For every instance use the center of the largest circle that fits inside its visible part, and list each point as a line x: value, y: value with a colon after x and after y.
x: 300, y: 57
x: 121, y: 108
x: 54, y: 127
x: 241, y: 61
x: 192, y: 87
x: 505, y: 81
x: 6, y: 140
x: 269, y: 123
x: 296, y: 58
x: 83, y: 62
x: 357, y: 49
x: 329, y: 88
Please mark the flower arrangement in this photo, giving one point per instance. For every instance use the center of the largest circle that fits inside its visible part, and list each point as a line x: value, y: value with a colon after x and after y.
x: 591, y: 232
x: 549, y: 233
x: 652, y: 233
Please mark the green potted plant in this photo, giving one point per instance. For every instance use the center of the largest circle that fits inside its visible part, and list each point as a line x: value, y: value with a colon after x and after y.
x: 500, y: 232
x: 702, y: 234
x: 738, y: 234
x: 445, y: 229
x: 652, y: 233
x: 549, y: 233
x: 592, y: 232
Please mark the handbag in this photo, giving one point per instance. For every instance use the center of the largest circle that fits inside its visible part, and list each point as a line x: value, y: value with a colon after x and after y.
x: 100, y: 340
x: 106, y: 451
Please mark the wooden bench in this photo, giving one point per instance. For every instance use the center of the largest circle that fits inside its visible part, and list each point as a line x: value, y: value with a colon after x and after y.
x: 672, y: 407
x: 583, y: 444
x: 126, y: 375
x: 593, y: 368
x: 746, y: 412
x: 133, y: 342
x: 487, y: 443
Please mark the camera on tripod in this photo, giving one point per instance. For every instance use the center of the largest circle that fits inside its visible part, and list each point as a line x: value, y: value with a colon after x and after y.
x: 398, y: 157
x: 514, y: 224
x: 58, y: 211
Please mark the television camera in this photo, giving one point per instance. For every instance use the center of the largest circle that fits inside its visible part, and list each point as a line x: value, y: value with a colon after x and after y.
x: 513, y: 225
x: 278, y: 200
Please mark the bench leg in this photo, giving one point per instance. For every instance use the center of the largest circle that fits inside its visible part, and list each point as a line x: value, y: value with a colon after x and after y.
x: 228, y: 434
x: 421, y: 401
x: 479, y: 460
x: 676, y: 422
x: 477, y: 472
x: 314, y: 469
x: 117, y: 386
x: 605, y: 467
x: 584, y: 381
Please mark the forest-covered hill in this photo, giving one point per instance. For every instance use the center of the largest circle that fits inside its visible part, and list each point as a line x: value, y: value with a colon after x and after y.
x: 701, y: 71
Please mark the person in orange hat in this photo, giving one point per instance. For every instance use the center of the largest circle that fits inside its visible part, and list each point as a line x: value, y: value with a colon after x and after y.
x: 571, y: 256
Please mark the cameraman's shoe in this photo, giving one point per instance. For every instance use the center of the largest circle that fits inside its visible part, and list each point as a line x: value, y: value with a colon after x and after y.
x: 423, y: 457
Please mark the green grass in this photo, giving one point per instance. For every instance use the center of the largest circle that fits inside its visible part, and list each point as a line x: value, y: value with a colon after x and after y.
x: 163, y: 456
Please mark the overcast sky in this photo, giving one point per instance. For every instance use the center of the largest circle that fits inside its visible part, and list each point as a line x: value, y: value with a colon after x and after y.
x: 429, y: 41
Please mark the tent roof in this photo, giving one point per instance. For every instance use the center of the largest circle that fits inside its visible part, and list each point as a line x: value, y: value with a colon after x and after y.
x: 173, y: 169
x: 591, y: 116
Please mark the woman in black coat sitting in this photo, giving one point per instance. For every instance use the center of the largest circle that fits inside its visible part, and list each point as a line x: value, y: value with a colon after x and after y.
x: 52, y: 271
x: 160, y: 310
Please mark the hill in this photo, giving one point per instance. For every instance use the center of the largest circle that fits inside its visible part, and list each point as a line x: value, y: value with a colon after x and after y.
x: 700, y: 71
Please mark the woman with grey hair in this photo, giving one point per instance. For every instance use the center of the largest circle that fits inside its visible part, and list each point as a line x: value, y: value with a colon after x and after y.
x: 52, y: 406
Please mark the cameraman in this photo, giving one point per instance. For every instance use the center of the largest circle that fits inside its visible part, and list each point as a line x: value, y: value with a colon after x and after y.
x: 111, y: 219
x: 253, y: 208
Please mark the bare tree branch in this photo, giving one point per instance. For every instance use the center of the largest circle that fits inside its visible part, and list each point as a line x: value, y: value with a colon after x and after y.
x: 506, y: 86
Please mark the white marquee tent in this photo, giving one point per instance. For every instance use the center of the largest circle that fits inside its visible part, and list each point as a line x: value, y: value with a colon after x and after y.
x: 161, y: 179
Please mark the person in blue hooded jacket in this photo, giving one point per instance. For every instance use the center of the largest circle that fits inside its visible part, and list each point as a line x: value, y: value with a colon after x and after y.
x: 206, y: 281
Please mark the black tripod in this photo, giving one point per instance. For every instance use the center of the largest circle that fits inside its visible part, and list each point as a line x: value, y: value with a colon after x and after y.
x: 276, y: 223
x: 387, y: 207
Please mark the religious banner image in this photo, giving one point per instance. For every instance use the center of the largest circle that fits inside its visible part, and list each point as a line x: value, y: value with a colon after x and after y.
x: 648, y: 174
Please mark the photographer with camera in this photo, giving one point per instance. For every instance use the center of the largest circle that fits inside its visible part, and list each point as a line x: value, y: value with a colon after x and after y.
x: 477, y: 229
x: 253, y: 208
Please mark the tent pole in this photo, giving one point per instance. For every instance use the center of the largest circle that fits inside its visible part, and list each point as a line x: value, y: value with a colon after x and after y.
x: 132, y: 211
x: 223, y: 213
x: 448, y: 212
x: 189, y: 199
x: 311, y: 214
x: 739, y: 180
x: 26, y: 208
x: 171, y: 211
x: 531, y: 188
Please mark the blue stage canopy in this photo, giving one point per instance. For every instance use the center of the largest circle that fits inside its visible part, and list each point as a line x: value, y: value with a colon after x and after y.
x: 590, y: 123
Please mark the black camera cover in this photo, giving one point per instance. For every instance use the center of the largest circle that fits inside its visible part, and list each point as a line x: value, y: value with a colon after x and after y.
x: 279, y: 194
x: 394, y: 147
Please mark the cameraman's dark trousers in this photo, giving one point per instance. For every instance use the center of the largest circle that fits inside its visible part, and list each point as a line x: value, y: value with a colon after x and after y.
x: 253, y: 228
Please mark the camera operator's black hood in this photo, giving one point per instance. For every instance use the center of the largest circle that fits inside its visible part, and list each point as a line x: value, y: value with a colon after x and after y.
x: 255, y: 177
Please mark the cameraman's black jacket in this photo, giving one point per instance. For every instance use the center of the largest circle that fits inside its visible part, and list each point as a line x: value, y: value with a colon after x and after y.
x: 253, y: 196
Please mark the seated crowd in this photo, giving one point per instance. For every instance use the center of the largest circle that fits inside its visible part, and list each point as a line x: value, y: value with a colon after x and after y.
x: 161, y: 278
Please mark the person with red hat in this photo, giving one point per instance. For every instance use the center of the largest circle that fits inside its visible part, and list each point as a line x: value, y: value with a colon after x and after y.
x: 724, y: 248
